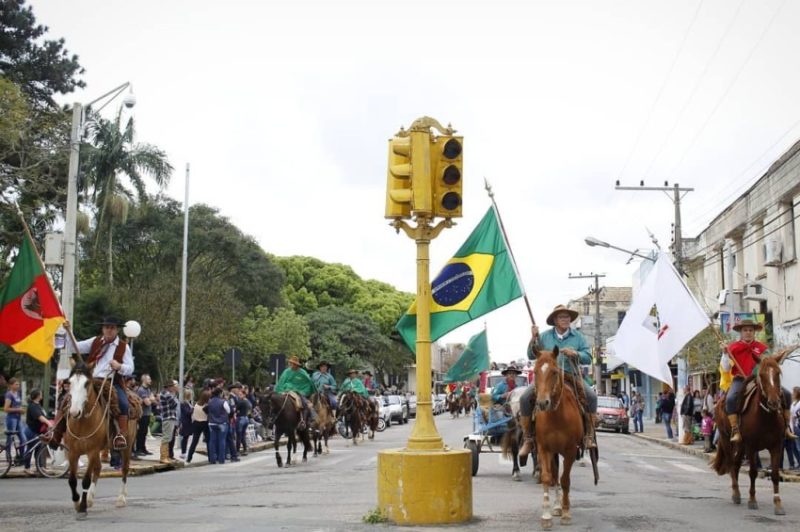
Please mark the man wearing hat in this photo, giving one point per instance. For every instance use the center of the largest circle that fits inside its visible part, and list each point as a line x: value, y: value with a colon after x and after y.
x: 571, y: 345
x: 296, y: 379
x: 502, y: 391
x: 369, y: 383
x: 325, y: 383
x: 353, y: 384
x: 168, y: 401
x: 107, y: 354
x: 747, y: 352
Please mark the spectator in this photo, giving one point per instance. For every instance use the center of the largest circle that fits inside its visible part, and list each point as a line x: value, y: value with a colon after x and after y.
x: 697, y: 411
x: 185, y: 428
x: 795, y: 411
x: 708, y: 401
x: 199, y: 422
x: 13, y: 409
x: 637, y: 412
x: 659, y: 403
x: 243, y: 410
x: 626, y: 401
x: 230, y: 437
x: 148, y: 399
x: 169, y: 420
x: 63, y: 394
x: 687, y: 413
x: 218, y: 412
x: 35, y: 423
x: 706, y: 429
x: 667, y: 408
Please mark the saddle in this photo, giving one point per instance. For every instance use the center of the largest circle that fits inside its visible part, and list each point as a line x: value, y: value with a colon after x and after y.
x: 749, y: 392
x: 298, y: 402
x: 577, y: 388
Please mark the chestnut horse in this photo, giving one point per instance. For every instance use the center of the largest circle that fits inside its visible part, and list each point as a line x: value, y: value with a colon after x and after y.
x: 559, y: 431
x: 87, y: 432
x: 325, y: 425
x: 279, y: 411
x: 351, y: 413
x: 761, y: 427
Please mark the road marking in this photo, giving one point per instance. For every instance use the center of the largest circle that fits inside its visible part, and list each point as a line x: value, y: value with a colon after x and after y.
x: 644, y: 465
x: 685, y: 467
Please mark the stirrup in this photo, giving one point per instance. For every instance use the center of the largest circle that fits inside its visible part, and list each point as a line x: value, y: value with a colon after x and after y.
x: 119, y: 442
x: 588, y: 442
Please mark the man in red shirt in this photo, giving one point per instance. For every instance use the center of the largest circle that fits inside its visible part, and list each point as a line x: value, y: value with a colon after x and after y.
x: 747, y: 352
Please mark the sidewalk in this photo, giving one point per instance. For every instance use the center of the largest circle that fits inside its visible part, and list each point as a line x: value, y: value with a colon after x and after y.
x: 657, y: 433
x: 147, y: 465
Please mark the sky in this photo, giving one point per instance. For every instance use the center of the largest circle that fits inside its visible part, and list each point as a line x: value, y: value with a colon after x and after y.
x: 283, y: 110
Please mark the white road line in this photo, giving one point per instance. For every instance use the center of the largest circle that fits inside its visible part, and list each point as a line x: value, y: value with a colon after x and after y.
x: 685, y: 467
x: 645, y: 465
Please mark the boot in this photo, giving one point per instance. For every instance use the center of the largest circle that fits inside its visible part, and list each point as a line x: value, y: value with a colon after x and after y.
x: 165, y: 454
x: 787, y: 417
x: 733, y: 419
x: 588, y: 438
x: 119, y: 442
x: 527, y: 444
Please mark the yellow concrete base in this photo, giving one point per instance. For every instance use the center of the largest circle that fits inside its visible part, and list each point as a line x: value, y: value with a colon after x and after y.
x: 425, y: 487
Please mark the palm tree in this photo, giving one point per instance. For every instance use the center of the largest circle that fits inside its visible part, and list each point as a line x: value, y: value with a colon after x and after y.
x: 112, y: 154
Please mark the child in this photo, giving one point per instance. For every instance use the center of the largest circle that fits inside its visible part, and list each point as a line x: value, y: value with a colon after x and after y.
x: 706, y: 429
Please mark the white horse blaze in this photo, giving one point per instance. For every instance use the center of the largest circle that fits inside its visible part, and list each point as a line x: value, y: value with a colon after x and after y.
x: 77, y: 394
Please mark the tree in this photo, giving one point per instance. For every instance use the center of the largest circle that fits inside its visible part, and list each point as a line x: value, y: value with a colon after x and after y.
x: 114, y: 152
x: 264, y: 332
x: 40, y: 67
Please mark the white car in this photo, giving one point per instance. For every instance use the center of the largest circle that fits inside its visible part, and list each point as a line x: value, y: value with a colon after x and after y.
x: 397, y: 408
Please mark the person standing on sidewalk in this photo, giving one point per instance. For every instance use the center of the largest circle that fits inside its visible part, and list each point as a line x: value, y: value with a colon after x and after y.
x: 147, y: 397
x: 637, y: 411
x: 169, y: 420
x: 199, y: 422
x: 185, y: 421
x: 667, y: 408
x: 687, y: 414
x: 218, y: 424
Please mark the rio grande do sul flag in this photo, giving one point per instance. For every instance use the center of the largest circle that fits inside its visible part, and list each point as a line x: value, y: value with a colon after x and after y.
x: 29, y: 311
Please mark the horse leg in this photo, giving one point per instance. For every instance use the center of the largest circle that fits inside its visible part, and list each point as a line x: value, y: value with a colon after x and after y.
x: 73, y: 481
x: 290, y: 444
x: 547, y: 518
x: 752, y: 504
x: 86, y: 483
x: 515, y: 459
x: 277, y: 437
x: 122, y: 498
x: 736, y: 496
x: 95, y: 476
x: 566, y: 518
x: 775, y: 458
x: 557, y: 485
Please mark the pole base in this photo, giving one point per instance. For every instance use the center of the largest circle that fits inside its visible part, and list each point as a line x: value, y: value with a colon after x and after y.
x: 425, y: 487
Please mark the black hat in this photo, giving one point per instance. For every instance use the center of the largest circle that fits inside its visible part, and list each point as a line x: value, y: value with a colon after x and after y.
x: 234, y: 385
x: 323, y: 363
x: 511, y: 368
x: 367, y: 372
x: 111, y: 320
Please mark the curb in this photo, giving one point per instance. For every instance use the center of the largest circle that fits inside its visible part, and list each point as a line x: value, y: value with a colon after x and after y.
x: 688, y: 449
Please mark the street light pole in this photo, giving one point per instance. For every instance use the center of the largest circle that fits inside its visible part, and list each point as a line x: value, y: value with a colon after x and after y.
x: 598, y: 338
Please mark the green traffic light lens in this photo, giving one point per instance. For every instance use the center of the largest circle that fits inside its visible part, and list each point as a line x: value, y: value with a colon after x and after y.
x: 452, y: 175
x: 452, y: 149
x: 451, y: 201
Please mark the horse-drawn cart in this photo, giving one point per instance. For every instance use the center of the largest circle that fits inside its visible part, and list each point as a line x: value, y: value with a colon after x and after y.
x: 488, y: 427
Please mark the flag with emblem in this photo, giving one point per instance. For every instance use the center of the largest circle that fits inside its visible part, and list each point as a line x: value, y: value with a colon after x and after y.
x: 478, y: 279
x: 472, y: 361
x: 29, y: 311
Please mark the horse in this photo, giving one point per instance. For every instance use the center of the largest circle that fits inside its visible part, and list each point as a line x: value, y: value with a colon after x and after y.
x: 350, y: 412
x: 453, y: 405
x: 369, y: 414
x: 761, y: 427
x: 512, y: 441
x: 466, y: 403
x: 87, y: 432
x: 559, y: 431
x: 325, y: 424
x: 279, y: 410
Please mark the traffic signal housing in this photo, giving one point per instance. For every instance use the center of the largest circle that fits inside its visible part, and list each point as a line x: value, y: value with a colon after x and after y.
x: 399, y: 195
x: 446, y: 168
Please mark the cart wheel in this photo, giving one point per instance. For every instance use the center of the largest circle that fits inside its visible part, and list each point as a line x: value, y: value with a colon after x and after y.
x: 473, y: 447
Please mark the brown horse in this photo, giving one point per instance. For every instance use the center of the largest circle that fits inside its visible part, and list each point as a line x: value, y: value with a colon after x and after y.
x: 87, y: 432
x: 559, y: 431
x: 370, y: 415
x: 351, y: 413
x: 466, y: 403
x: 761, y: 427
x: 325, y: 425
x: 453, y: 405
x: 279, y: 411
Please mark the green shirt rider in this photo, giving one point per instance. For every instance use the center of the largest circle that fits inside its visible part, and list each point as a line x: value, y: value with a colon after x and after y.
x: 296, y: 379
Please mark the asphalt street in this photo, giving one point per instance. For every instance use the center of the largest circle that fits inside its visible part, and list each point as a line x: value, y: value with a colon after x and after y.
x: 643, y: 486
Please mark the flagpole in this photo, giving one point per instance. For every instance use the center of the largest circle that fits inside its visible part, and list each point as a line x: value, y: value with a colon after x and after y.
x: 508, y: 246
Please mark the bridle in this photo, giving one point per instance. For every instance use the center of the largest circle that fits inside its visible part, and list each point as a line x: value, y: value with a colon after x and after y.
x: 763, y: 402
x: 560, y: 373
x: 85, y: 415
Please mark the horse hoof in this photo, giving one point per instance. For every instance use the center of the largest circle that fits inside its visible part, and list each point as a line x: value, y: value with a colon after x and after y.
x: 557, y: 512
x: 752, y: 505
x: 515, y: 477
x: 121, y: 502
x: 566, y: 520
x: 736, y: 499
x: 305, y: 460
x: 547, y: 524
x: 81, y: 516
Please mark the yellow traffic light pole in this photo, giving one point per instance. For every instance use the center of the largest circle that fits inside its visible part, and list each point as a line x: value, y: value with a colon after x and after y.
x: 425, y: 482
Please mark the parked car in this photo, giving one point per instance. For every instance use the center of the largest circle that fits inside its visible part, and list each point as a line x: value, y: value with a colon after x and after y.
x: 398, y: 408
x: 412, y: 406
x: 440, y: 404
x: 384, y: 416
x: 611, y: 414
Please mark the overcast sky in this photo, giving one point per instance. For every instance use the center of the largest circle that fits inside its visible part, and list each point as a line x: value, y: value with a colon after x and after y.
x: 283, y: 110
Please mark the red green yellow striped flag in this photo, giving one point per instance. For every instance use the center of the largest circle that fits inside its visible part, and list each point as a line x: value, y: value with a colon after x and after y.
x: 29, y: 310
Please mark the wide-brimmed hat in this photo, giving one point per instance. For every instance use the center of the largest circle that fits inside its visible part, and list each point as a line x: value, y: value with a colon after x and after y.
x: 294, y: 360
x: 170, y: 383
x: 323, y: 363
x: 747, y: 323
x: 511, y: 368
x: 351, y: 370
x: 111, y: 320
x: 551, y: 319
x: 367, y: 372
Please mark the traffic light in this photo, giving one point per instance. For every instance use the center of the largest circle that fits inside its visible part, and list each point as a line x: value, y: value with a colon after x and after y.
x: 446, y: 166
x: 398, y: 179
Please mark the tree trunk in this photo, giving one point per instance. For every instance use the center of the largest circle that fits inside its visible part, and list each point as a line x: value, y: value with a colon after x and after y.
x: 110, y: 255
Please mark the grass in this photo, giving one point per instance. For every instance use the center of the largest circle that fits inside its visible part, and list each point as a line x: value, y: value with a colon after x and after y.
x: 374, y: 517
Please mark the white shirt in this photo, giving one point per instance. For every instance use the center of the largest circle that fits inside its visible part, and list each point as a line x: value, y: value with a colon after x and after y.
x: 102, y: 367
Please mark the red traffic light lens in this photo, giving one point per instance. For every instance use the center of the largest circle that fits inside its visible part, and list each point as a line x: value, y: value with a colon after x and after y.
x: 451, y: 201
x: 452, y: 175
x: 452, y: 149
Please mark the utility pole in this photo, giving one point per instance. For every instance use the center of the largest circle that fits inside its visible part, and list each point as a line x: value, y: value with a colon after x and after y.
x: 677, y: 248
x: 598, y: 338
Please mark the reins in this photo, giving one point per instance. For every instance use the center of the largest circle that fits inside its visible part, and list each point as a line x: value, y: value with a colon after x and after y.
x: 89, y: 413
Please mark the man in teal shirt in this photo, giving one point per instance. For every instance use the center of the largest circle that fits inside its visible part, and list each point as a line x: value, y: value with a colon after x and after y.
x: 571, y: 344
x: 325, y: 383
x: 353, y: 384
x: 296, y: 379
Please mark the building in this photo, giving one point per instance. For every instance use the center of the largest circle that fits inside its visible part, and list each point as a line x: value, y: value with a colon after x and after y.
x: 745, y: 261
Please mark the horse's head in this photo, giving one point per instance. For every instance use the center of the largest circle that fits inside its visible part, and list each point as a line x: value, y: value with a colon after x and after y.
x: 549, y: 380
x: 769, y: 382
x: 80, y: 385
x: 265, y: 403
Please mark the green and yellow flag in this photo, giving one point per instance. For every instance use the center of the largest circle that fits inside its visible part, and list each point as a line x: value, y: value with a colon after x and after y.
x: 29, y: 311
x: 478, y: 279
x: 472, y: 361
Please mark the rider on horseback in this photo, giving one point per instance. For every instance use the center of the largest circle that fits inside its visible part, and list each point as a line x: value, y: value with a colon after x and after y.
x: 747, y: 352
x: 502, y: 391
x: 325, y: 384
x: 107, y: 354
x: 296, y: 379
x: 572, y: 344
x: 353, y: 384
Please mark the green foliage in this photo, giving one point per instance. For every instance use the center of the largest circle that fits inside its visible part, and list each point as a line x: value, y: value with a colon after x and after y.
x: 264, y: 332
x: 375, y: 517
x: 703, y: 352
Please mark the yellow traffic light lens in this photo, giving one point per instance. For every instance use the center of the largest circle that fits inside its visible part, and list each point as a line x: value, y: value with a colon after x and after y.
x: 452, y: 149
x: 452, y: 175
x: 451, y: 201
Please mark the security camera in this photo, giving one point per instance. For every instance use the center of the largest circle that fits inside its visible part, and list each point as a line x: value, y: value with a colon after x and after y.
x: 129, y: 101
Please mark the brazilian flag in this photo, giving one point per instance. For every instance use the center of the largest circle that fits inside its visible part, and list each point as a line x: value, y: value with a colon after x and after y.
x: 472, y: 361
x: 477, y: 280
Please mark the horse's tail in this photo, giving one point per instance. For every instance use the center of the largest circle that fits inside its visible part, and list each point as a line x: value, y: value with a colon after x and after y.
x: 722, y: 462
x: 508, y: 441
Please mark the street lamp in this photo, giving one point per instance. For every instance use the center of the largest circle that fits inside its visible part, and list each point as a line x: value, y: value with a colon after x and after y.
x: 592, y: 241
x: 132, y: 330
x: 70, y: 225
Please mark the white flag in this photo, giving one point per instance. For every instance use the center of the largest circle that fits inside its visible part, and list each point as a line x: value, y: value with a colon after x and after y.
x: 662, y: 319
